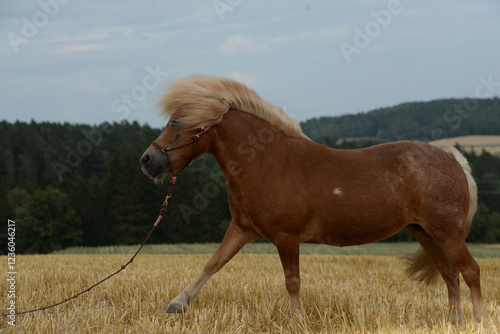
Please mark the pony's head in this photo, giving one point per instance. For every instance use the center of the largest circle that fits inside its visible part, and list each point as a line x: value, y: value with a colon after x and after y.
x: 174, y: 149
x: 193, y: 107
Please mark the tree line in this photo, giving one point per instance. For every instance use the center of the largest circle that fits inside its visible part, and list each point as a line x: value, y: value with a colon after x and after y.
x: 63, y: 190
x: 70, y: 184
x: 424, y: 121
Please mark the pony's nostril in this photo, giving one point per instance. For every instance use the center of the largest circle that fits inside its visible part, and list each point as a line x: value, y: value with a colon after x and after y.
x: 145, y: 158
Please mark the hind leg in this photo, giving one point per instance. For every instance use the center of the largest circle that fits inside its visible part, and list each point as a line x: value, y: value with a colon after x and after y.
x: 452, y: 242
x: 461, y: 257
x: 449, y: 272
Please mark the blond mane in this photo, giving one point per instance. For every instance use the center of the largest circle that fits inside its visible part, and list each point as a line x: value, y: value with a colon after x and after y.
x: 203, y: 100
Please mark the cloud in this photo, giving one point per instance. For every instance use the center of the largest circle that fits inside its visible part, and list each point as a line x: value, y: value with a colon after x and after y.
x: 248, y: 79
x: 244, y: 45
x: 80, y: 47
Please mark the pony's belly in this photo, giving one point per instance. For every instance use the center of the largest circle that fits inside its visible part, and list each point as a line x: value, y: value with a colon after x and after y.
x: 352, y: 233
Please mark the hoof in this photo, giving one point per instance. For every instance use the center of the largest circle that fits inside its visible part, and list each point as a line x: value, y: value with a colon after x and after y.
x: 177, y: 308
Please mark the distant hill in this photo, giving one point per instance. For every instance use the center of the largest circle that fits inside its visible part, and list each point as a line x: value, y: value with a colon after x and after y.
x: 425, y: 121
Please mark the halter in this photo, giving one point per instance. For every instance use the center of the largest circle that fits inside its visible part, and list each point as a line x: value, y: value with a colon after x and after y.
x: 165, y: 150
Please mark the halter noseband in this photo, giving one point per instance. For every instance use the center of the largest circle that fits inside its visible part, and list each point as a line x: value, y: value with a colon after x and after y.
x: 165, y: 150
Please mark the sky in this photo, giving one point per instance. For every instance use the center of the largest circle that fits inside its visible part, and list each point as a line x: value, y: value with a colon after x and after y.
x: 93, y: 61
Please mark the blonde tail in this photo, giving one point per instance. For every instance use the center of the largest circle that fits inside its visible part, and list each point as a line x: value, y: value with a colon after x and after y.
x: 471, y: 183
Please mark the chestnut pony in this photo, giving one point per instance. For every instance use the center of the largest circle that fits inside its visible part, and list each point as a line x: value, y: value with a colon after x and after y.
x: 288, y: 189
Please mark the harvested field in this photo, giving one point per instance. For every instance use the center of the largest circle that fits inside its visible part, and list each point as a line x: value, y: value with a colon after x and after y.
x: 490, y: 144
x: 340, y: 294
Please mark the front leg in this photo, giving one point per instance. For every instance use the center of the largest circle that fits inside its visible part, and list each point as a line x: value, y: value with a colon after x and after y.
x: 234, y: 239
x: 288, y: 249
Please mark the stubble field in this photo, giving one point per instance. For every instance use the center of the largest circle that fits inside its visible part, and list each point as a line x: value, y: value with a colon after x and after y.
x: 340, y: 294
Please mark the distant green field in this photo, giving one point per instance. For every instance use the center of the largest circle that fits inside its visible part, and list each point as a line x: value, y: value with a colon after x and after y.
x: 379, y: 248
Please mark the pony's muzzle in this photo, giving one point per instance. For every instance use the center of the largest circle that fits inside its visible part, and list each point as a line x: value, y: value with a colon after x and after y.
x: 154, y: 165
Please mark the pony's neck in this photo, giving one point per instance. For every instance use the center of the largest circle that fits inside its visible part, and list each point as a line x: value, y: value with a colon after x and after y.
x: 243, y: 142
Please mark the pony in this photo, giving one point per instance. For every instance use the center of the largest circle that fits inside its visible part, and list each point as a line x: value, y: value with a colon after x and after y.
x: 290, y: 190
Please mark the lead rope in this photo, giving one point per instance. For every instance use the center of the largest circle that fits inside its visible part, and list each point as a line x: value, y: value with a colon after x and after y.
x: 160, y: 217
